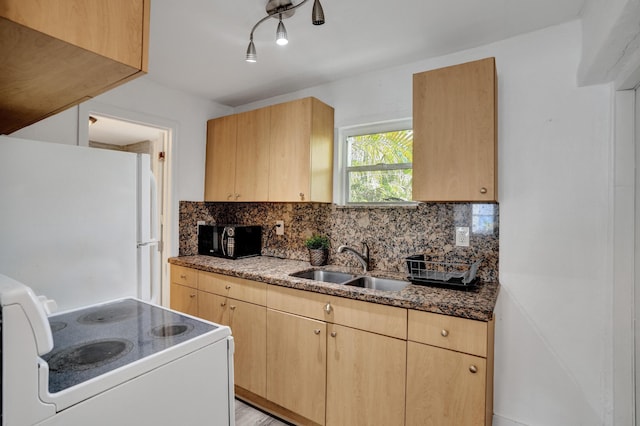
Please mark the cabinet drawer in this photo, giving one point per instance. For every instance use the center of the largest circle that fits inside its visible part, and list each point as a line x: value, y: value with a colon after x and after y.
x: 458, y: 334
x: 381, y: 319
x: 233, y: 287
x: 299, y: 302
x: 184, y: 276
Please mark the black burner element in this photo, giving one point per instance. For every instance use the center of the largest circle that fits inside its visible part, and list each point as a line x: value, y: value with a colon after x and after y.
x: 171, y: 330
x: 89, y: 355
x: 109, y: 315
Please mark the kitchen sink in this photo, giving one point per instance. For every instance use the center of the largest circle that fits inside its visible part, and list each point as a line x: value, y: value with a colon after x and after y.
x: 383, y: 284
x: 325, y: 276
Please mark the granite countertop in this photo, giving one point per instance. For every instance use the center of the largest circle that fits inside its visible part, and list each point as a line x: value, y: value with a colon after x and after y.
x: 477, y: 304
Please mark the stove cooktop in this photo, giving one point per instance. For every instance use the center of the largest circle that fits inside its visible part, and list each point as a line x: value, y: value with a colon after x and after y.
x: 92, y: 341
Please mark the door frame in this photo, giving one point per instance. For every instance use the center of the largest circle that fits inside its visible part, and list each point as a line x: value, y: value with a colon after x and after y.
x: 169, y: 212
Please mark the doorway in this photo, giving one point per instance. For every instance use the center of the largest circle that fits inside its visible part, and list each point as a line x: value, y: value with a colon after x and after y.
x: 122, y: 130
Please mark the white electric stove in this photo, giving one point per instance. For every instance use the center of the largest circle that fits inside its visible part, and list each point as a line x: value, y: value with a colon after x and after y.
x: 121, y: 362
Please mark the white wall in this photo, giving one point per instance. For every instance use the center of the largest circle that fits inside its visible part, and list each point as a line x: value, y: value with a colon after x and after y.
x: 553, y: 361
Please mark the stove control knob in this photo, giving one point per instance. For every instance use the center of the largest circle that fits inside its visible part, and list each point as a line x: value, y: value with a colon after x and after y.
x: 49, y: 305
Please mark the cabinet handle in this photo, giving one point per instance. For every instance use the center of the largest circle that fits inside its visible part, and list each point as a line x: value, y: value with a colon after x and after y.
x: 223, y: 303
x: 444, y: 333
x: 483, y: 190
x: 334, y: 334
x: 227, y: 287
x: 237, y: 196
x: 301, y: 196
x: 316, y: 331
x: 473, y: 369
x: 229, y: 196
x: 328, y: 308
x: 233, y: 307
x: 192, y: 295
x: 184, y: 277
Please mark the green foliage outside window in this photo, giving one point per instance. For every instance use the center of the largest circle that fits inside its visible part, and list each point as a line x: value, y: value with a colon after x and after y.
x: 379, y: 167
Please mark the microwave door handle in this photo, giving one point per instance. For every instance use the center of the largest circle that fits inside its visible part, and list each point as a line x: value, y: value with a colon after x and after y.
x: 223, y: 241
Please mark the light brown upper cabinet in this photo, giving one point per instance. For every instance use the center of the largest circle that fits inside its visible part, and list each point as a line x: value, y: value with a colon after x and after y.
x: 455, y: 133
x: 281, y: 153
x: 58, y: 53
x: 301, y: 154
x: 238, y: 157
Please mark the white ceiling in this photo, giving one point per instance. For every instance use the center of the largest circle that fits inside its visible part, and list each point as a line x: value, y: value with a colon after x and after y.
x: 199, y: 46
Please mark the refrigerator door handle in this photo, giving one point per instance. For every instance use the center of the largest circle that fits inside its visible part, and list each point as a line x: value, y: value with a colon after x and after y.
x: 147, y: 243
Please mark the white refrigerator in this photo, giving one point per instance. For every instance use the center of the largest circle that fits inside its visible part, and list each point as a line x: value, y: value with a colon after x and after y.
x: 78, y: 224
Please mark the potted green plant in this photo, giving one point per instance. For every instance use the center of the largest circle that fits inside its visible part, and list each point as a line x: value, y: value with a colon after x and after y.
x: 318, y: 246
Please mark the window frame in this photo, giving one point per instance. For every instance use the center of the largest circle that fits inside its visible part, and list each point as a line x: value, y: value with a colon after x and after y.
x: 342, y: 171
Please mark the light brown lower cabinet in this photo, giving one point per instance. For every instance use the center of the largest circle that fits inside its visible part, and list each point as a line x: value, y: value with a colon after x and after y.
x: 248, y: 324
x: 184, y: 299
x: 444, y: 387
x: 297, y: 364
x: 365, y: 378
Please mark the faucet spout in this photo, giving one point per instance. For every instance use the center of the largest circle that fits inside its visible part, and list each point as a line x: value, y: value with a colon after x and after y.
x: 363, y: 257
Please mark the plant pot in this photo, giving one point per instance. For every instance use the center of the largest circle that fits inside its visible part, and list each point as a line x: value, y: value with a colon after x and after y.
x: 318, y: 257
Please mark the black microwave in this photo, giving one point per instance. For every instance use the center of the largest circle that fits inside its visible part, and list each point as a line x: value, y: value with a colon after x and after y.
x: 230, y: 241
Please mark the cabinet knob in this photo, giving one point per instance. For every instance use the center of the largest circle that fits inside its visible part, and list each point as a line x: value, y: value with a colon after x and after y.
x: 237, y: 196
x: 301, y: 196
x: 473, y: 369
x: 316, y: 331
x: 223, y: 303
x: 232, y: 307
x: 184, y: 277
x: 328, y: 308
x: 192, y: 295
x: 334, y: 334
x: 444, y: 333
x: 229, y: 196
x: 483, y: 190
x: 227, y: 287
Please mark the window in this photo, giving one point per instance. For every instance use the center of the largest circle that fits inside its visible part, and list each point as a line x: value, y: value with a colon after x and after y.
x: 377, y: 163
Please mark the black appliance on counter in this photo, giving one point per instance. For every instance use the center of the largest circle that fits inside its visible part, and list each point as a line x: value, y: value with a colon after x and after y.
x: 230, y: 241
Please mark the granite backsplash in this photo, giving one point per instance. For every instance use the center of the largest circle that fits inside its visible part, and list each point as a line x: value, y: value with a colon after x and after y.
x: 392, y: 233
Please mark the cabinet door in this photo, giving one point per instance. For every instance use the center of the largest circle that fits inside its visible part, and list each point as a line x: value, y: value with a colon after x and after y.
x: 220, y: 173
x: 444, y: 387
x: 290, y: 159
x: 248, y: 324
x: 296, y: 364
x: 184, y: 299
x: 213, y: 308
x: 252, y: 155
x: 454, y: 133
x: 365, y: 378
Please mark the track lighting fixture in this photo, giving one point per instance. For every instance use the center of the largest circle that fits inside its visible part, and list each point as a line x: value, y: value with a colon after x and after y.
x: 282, y: 9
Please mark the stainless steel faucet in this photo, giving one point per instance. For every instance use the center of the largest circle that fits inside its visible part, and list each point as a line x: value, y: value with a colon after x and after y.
x: 363, y: 257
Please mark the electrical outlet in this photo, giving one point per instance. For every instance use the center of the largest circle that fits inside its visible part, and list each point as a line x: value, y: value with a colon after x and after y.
x: 279, y: 227
x: 462, y: 236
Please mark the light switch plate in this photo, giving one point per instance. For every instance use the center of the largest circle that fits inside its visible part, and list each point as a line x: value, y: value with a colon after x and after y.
x: 462, y: 236
x: 279, y: 227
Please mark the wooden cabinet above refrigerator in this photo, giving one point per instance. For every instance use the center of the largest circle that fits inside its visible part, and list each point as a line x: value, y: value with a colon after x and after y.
x: 58, y: 53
